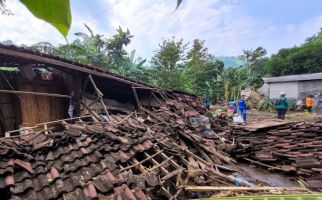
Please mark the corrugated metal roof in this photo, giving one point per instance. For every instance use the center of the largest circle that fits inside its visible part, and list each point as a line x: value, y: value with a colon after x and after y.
x: 299, y: 77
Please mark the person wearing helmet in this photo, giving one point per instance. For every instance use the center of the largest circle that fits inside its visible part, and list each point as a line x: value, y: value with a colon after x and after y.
x: 281, y: 106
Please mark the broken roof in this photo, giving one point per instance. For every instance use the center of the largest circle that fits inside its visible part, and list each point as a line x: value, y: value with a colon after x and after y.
x: 74, y: 164
x: 122, y: 159
x: 19, y: 56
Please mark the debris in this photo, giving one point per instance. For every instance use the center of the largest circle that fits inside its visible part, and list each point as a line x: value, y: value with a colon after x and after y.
x: 213, y: 188
x: 288, y: 147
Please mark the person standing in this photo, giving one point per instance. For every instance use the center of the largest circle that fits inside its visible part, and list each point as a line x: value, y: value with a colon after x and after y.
x: 232, y: 107
x: 207, y: 102
x: 242, y: 106
x: 309, y: 104
x: 281, y: 105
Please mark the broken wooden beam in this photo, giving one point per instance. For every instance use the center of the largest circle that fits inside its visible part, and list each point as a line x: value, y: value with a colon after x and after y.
x: 214, y: 188
x: 136, y: 97
x: 36, y: 93
x: 96, y: 117
x: 185, y: 150
x: 141, y: 162
x: 164, y: 170
x: 161, y: 164
x: 100, y: 96
x: 266, y: 165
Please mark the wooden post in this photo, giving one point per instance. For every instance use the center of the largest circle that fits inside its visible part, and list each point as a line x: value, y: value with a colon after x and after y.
x: 137, y: 99
x: 100, y: 96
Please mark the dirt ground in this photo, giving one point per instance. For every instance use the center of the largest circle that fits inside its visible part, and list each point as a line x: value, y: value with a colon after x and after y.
x: 255, y: 115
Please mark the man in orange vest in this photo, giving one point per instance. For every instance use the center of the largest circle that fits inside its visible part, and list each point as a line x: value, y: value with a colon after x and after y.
x: 309, y: 103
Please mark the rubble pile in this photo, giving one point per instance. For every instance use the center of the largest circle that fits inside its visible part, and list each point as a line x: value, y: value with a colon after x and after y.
x: 175, y: 150
x: 151, y: 156
x: 187, y: 123
x: 293, y: 148
x: 78, y: 163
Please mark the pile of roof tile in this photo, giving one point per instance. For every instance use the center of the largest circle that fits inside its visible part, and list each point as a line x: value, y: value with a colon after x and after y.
x: 294, y: 147
x: 73, y: 164
x: 127, y: 158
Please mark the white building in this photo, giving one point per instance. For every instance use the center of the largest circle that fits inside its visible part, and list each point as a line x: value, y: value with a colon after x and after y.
x: 295, y: 86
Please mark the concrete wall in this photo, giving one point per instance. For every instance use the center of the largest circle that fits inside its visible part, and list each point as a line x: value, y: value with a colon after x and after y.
x: 264, y: 90
x: 290, y: 88
x: 309, y: 88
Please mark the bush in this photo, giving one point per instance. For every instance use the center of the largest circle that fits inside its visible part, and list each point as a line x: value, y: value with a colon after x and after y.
x: 266, y: 105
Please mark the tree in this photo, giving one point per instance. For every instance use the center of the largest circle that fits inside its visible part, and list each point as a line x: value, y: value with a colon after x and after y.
x: 251, y: 56
x: 198, y: 55
x: 204, y: 77
x: 115, y: 47
x: 170, y: 54
x: 306, y: 58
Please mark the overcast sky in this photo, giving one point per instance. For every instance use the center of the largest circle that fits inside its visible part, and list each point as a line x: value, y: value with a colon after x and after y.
x: 228, y: 26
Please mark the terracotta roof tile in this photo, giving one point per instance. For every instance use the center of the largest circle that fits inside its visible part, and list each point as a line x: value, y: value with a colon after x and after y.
x: 295, y: 145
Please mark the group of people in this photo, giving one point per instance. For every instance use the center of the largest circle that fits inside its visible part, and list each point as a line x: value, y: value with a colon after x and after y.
x: 281, y: 105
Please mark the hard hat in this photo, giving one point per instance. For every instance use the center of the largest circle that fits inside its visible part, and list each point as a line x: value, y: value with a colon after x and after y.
x: 282, y: 93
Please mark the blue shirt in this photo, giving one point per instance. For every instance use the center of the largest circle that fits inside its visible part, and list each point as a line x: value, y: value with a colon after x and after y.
x: 242, y: 104
x: 232, y: 105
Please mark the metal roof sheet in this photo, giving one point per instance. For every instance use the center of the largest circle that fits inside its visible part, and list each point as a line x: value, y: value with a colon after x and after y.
x: 290, y: 78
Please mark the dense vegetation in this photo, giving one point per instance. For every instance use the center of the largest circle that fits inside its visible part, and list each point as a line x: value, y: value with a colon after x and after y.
x: 188, y: 66
x: 306, y: 58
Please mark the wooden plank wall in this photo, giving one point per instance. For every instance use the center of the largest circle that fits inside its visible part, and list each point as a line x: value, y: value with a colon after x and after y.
x: 38, y: 109
x: 7, y: 115
x: 8, y: 120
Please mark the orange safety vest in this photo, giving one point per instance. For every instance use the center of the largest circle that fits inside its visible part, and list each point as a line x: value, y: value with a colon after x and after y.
x: 309, y: 102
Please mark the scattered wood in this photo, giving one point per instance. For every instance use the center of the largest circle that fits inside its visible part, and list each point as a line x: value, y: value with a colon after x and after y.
x: 142, y: 161
x: 95, y: 116
x: 161, y: 164
x: 124, y: 119
x: 172, y: 174
x: 266, y: 165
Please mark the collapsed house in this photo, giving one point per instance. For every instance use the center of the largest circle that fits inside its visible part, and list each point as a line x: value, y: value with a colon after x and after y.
x: 71, y: 131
